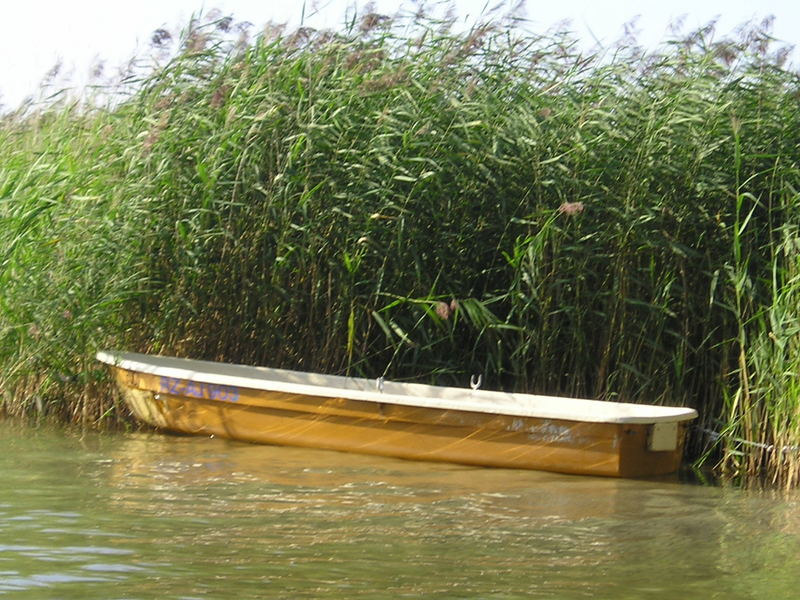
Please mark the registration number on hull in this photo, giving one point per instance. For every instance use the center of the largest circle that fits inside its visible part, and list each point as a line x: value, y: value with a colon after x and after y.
x: 195, y: 389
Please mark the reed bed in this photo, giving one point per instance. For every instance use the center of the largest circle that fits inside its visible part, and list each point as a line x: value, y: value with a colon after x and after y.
x: 406, y: 199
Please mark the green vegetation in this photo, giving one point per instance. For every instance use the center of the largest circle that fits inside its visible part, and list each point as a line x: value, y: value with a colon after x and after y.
x: 403, y: 199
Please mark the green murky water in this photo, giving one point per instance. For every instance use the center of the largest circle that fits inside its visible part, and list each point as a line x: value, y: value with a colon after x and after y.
x: 145, y: 515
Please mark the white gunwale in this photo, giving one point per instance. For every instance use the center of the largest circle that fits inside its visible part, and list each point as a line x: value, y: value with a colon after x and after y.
x: 407, y: 394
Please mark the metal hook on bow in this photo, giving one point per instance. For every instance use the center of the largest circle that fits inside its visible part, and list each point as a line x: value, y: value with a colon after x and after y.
x: 379, y: 384
x: 475, y: 381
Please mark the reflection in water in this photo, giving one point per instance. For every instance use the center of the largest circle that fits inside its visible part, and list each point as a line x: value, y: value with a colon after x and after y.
x: 280, y: 479
x: 149, y: 515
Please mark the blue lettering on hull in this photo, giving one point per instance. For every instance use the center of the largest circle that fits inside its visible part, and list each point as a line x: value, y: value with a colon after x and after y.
x: 194, y: 389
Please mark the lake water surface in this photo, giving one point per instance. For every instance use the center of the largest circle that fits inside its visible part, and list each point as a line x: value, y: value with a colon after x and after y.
x: 146, y: 515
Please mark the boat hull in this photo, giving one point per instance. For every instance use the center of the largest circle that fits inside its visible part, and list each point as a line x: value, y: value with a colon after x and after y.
x: 410, y: 432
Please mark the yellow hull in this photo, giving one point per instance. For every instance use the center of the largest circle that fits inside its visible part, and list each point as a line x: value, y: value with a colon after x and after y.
x: 406, y: 431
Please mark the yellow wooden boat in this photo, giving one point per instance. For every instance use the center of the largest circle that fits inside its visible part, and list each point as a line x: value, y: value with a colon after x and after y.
x: 406, y: 420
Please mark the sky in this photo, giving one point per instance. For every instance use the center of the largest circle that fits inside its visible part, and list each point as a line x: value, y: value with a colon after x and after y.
x: 35, y: 35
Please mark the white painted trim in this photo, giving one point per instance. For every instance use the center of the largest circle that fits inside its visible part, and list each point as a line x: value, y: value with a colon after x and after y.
x: 407, y: 394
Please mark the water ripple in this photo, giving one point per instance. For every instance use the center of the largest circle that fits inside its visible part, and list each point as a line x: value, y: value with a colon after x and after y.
x: 158, y: 516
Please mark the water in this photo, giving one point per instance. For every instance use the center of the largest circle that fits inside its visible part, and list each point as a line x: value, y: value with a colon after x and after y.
x: 146, y: 515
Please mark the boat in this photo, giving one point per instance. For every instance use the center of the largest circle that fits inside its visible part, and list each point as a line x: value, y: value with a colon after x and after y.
x: 469, y: 426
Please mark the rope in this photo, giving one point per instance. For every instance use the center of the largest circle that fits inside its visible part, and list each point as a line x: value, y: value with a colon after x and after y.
x: 716, y: 435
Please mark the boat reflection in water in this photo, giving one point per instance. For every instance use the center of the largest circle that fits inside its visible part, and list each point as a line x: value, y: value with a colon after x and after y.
x: 166, y: 470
